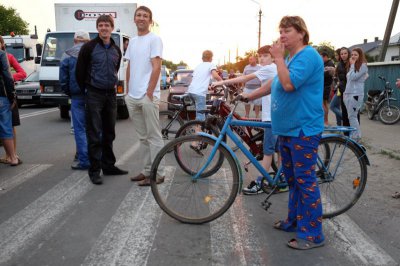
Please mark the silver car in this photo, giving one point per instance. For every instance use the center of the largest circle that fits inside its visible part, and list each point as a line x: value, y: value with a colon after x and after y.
x: 28, y: 91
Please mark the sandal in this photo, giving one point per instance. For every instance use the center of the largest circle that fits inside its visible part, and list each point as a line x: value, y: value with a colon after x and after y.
x: 301, y: 244
x: 4, y: 160
x: 280, y: 225
x: 396, y: 195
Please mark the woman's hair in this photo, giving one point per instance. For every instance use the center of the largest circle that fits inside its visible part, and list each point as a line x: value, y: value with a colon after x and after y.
x: 297, y: 23
x: 361, y: 58
x: 105, y: 18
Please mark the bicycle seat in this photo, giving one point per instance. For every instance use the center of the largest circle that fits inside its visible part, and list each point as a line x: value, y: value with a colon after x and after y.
x: 183, y: 98
x: 374, y: 92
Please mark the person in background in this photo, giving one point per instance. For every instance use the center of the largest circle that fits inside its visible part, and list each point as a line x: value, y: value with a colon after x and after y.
x: 329, y: 70
x: 18, y: 75
x: 354, y: 94
x: 265, y: 73
x: 251, y: 85
x: 71, y: 88
x: 143, y: 94
x: 342, y: 68
x: 97, y: 75
x: 335, y: 101
x: 7, y: 102
x: 297, y: 118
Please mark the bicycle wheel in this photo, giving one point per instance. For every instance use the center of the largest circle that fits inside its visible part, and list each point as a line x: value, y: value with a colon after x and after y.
x: 168, y: 126
x: 190, y: 200
x: 389, y: 114
x: 342, y: 175
x: 190, y: 128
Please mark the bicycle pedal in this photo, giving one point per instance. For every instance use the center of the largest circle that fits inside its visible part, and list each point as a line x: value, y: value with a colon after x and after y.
x: 266, y: 204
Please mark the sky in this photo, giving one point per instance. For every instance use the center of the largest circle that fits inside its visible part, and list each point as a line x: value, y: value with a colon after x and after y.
x: 227, y: 27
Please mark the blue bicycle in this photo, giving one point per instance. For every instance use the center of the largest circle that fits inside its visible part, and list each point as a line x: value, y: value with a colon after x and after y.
x: 204, y: 174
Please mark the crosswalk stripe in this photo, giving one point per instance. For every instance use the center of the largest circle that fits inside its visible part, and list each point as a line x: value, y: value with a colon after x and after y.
x: 350, y: 239
x: 19, y: 231
x: 39, y: 113
x: 128, y: 237
x: 229, y: 243
x: 15, y: 181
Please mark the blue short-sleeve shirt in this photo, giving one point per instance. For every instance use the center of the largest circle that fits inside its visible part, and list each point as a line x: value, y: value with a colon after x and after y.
x: 301, y: 109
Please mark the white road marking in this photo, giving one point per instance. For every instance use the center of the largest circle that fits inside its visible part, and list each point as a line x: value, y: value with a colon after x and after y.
x: 232, y: 237
x: 19, y: 231
x: 128, y: 237
x: 46, y: 111
x: 15, y: 181
x: 350, y: 239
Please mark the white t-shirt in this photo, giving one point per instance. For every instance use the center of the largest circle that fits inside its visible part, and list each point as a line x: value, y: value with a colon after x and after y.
x: 201, y: 78
x: 264, y: 74
x: 141, y: 50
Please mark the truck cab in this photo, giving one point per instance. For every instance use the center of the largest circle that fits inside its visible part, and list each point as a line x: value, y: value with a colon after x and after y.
x: 25, y: 49
x: 55, y: 45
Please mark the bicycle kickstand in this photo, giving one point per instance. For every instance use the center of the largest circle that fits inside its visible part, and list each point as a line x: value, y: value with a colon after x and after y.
x: 266, y: 203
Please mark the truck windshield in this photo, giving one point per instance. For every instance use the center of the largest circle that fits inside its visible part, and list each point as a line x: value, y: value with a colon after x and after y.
x: 17, y: 52
x: 56, y: 43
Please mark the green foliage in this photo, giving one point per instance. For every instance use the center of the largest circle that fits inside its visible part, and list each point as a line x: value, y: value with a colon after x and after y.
x: 172, y: 66
x: 10, y: 21
x: 327, y: 47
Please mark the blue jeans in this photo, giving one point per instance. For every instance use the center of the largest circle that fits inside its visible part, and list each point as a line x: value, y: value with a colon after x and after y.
x: 6, y: 130
x: 79, y: 123
x: 200, y: 102
x: 335, y: 108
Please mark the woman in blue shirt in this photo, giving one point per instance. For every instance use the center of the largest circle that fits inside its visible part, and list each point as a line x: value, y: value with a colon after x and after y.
x: 298, y: 119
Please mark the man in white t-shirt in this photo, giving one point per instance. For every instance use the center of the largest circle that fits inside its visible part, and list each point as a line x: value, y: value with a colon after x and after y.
x: 267, y: 72
x: 143, y: 78
x: 198, y: 88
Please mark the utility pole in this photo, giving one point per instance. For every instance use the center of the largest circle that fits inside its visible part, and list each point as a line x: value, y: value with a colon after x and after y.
x: 388, y: 31
x: 259, y: 27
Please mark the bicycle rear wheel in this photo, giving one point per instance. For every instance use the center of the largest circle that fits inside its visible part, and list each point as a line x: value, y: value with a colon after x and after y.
x: 342, y: 175
x: 190, y: 200
x: 168, y: 126
x: 389, y: 114
x: 191, y: 128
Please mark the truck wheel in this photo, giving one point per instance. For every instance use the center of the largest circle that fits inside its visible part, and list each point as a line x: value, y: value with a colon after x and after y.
x: 64, y: 111
x: 123, y: 112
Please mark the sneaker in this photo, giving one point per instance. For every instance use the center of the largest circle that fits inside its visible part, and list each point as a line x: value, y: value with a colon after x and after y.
x: 253, y: 188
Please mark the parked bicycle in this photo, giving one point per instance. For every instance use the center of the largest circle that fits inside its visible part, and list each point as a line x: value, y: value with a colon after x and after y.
x: 380, y: 102
x: 204, y: 182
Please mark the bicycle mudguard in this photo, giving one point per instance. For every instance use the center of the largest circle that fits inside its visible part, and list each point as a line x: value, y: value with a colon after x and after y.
x: 233, y: 155
x: 359, y: 147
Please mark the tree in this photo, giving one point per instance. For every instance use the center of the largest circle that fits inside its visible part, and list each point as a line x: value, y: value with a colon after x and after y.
x: 10, y: 21
x: 172, y: 66
x: 327, y: 47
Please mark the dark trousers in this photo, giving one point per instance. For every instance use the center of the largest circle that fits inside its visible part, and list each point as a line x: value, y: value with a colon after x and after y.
x: 101, y: 114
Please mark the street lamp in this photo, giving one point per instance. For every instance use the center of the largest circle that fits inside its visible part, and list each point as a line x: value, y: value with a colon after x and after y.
x: 259, y: 22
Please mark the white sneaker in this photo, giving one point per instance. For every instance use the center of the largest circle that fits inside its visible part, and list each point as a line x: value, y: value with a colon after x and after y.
x: 253, y: 188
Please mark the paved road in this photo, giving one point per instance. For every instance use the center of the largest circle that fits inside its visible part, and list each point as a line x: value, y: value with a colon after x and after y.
x: 52, y: 215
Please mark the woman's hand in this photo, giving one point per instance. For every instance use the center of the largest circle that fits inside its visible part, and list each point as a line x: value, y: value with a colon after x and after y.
x: 277, y: 50
x: 217, y: 83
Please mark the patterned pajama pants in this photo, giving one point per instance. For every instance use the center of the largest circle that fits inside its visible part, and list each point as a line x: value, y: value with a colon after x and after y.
x: 299, y: 156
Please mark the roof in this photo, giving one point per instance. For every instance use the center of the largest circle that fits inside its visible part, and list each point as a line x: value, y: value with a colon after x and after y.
x: 395, y: 39
x: 367, y: 47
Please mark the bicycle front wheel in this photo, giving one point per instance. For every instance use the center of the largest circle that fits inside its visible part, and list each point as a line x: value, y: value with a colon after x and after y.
x: 389, y: 114
x: 341, y: 173
x: 168, y: 125
x: 189, y: 199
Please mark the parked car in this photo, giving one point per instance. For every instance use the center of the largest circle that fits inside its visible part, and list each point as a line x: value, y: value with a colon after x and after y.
x: 181, y: 80
x: 28, y: 90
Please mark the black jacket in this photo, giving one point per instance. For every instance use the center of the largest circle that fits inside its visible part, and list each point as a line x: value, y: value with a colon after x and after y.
x: 98, y: 66
x: 341, y: 73
x: 6, y: 80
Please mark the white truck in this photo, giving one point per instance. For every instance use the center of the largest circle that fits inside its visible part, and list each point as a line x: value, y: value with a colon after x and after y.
x: 25, y: 49
x: 72, y: 17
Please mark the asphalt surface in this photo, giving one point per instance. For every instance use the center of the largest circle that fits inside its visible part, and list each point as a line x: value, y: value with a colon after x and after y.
x: 52, y: 215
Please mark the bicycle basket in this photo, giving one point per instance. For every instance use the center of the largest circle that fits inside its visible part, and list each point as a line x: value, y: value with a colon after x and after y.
x: 188, y: 100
